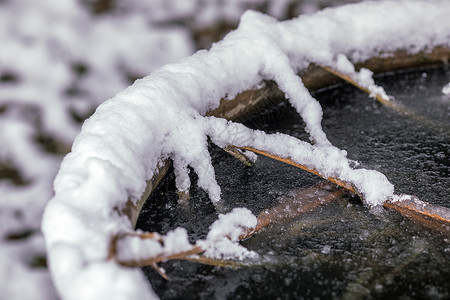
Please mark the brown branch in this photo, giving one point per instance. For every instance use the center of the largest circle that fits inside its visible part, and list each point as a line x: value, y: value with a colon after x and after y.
x: 193, y: 254
x: 215, y: 261
x: 160, y: 271
x: 387, y: 102
x: 238, y: 154
x: 392, y: 104
x: 431, y: 216
x: 159, y: 258
x: 291, y: 207
x: 183, y: 197
x: 288, y: 161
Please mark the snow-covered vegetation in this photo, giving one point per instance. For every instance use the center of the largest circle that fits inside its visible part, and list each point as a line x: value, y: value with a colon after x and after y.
x: 59, y: 60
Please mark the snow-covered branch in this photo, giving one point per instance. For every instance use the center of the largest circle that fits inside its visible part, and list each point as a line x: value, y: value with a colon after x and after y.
x: 162, y: 116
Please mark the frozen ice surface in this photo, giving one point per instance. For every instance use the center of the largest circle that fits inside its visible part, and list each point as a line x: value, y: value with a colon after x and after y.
x: 360, y: 241
x: 161, y: 116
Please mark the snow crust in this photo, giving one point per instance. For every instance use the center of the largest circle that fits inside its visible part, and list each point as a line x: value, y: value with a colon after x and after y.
x: 161, y: 116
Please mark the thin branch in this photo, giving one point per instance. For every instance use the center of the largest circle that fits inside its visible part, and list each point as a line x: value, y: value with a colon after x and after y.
x: 183, y: 198
x: 193, y: 254
x: 305, y: 201
x: 288, y: 161
x: 380, y: 97
x: 291, y: 207
x: 160, y: 271
x: 392, y: 104
x: 215, y: 261
x: 431, y: 216
x: 237, y: 153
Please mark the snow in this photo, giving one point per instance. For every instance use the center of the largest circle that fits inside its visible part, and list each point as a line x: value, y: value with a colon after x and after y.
x: 222, y: 240
x: 446, y: 89
x: 158, y: 117
x: 363, y: 77
x: 133, y: 247
x: 327, y: 159
x: 414, y: 202
x: 121, y: 144
x: 41, y: 43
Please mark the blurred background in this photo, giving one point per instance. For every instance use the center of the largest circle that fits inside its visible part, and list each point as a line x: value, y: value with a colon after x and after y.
x: 59, y: 59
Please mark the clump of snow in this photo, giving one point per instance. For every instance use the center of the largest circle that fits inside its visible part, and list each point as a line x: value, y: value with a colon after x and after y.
x: 401, y: 198
x: 222, y: 240
x: 176, y: 241
x: 363, y: 78
x: 134, y: 247
x: 251, y: 156
x: 446, y: 89
x: 161, y: 116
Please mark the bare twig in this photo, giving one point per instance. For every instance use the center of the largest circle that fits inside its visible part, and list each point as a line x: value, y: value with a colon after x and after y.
x: 215, y: 262
x: 183, y: 197
x: 160, y: 271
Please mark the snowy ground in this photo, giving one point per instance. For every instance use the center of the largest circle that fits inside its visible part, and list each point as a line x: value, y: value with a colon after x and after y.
x: 58, y: 61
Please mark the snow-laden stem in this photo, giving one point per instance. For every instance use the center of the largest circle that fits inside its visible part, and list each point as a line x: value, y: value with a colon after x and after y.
x: 162, y: 116
x: 290, y: 207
